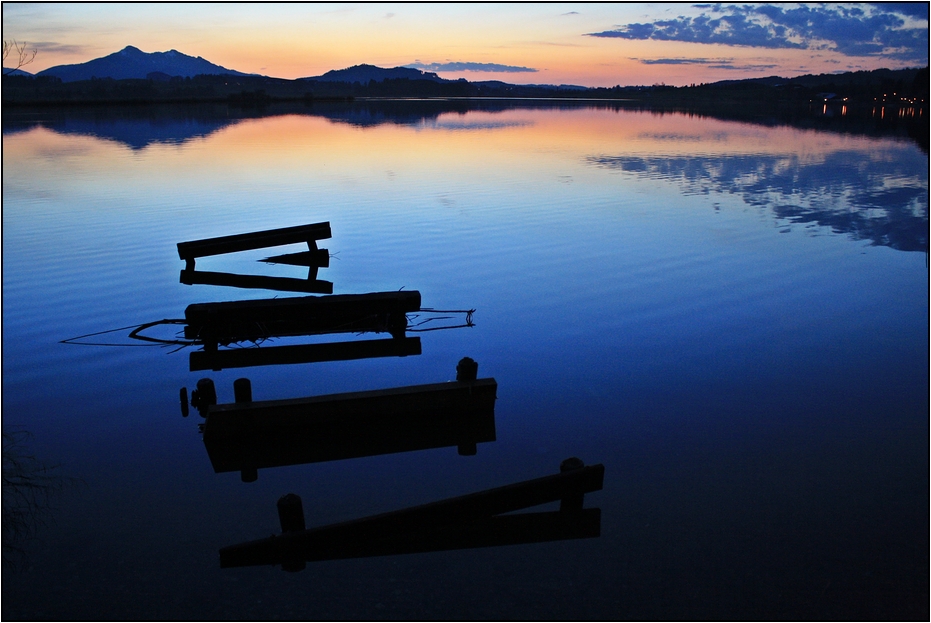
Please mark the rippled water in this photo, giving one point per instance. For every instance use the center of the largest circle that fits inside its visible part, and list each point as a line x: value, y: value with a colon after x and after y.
x: 732, y: 318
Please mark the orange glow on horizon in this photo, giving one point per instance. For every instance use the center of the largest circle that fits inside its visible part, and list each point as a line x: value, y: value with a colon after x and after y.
x: 299, y: 143
x: 303, y: 40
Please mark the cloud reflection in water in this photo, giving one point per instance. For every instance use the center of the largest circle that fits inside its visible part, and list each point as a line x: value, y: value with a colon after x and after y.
x: 881, y: 199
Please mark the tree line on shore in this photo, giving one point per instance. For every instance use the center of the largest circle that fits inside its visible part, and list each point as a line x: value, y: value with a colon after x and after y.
x: 892, y: 87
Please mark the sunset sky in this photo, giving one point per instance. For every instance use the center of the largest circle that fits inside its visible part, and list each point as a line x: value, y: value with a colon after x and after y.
x: 522, y: 43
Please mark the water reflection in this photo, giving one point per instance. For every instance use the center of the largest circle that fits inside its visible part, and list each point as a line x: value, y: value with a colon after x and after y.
x: 883, y: 198
x: 137, y: 127
x: 764, y: 395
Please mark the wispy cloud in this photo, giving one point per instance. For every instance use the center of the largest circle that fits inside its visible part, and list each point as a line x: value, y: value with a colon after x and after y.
x: 556, y: 44
x: 894, y: 30
x: 714, y: 63
x: 463, y: 66
x: 60, y: 48
x: 681, y: 61
x: 917, y: 10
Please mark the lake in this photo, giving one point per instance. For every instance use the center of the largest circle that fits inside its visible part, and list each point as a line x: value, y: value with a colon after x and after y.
x: 731, y: 318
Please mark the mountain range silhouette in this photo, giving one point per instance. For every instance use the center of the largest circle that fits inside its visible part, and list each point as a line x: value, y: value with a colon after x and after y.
x: 131, y: 62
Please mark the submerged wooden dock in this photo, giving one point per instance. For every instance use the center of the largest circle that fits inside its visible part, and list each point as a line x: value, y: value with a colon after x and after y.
x: 314, y: 258
x: 213, y: 324
x: 309, y: 234
x: 307, y: 315
x: 474, y: 520
x: 249, y: 435
x: 224, y: 359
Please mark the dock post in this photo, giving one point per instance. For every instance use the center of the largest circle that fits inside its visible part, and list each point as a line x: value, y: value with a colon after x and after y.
x: 242, y: 390
x: 291, y: 516
x: 573, y: 501
x: 203, y: 396
x: 467, y: 369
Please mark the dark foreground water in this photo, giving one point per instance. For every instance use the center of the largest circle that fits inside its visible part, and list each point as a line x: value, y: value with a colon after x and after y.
x: 731, y: 318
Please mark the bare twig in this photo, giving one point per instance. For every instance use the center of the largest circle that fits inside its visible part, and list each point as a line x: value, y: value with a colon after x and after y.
x: 22, y: 55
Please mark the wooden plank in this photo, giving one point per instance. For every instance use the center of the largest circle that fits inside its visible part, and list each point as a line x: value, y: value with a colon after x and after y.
x: 366, y: 434
x: 319, y: 258
x: 299, y: 306
x: 284, y: 284
x: 303, y: 353
x: 428, y: 517
x: 253, y: 240
x: 309, y: 315
x: 488, y: 532
x: 454, y: 397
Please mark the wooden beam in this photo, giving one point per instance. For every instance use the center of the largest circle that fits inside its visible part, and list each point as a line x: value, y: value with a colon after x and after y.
x: 303, y: 353
x: 284, y: 284
x: 309, y: 440
x: 254, y: 240
x: 308, y: 315
x: 319, y: 258
x: 458, y: 511
x: 487, y: 532
x: 454, y: 399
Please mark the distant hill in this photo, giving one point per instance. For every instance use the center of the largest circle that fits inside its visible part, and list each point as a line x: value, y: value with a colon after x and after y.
x: 872, y: 78
x: 132, y: 62
x: 15, y: 72
x: 363, y: 74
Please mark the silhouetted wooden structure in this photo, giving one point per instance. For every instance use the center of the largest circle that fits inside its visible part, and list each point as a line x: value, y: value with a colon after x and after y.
x: 237, y: 321
x: 265, y: 282
x: 190, y: 251
x: 247, y: 436
x: 312, y: 259
x: 213, y: 324
x: 222, y: 359
x: 474, y: 520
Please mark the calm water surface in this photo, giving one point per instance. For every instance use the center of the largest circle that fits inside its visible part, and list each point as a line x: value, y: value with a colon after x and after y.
x: 732, y: 318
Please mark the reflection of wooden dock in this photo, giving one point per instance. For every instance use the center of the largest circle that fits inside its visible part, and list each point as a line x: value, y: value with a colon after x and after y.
x: 474, y: 520
x: 283, y: 284
x: 190, y: 251
x: 224, y: 359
